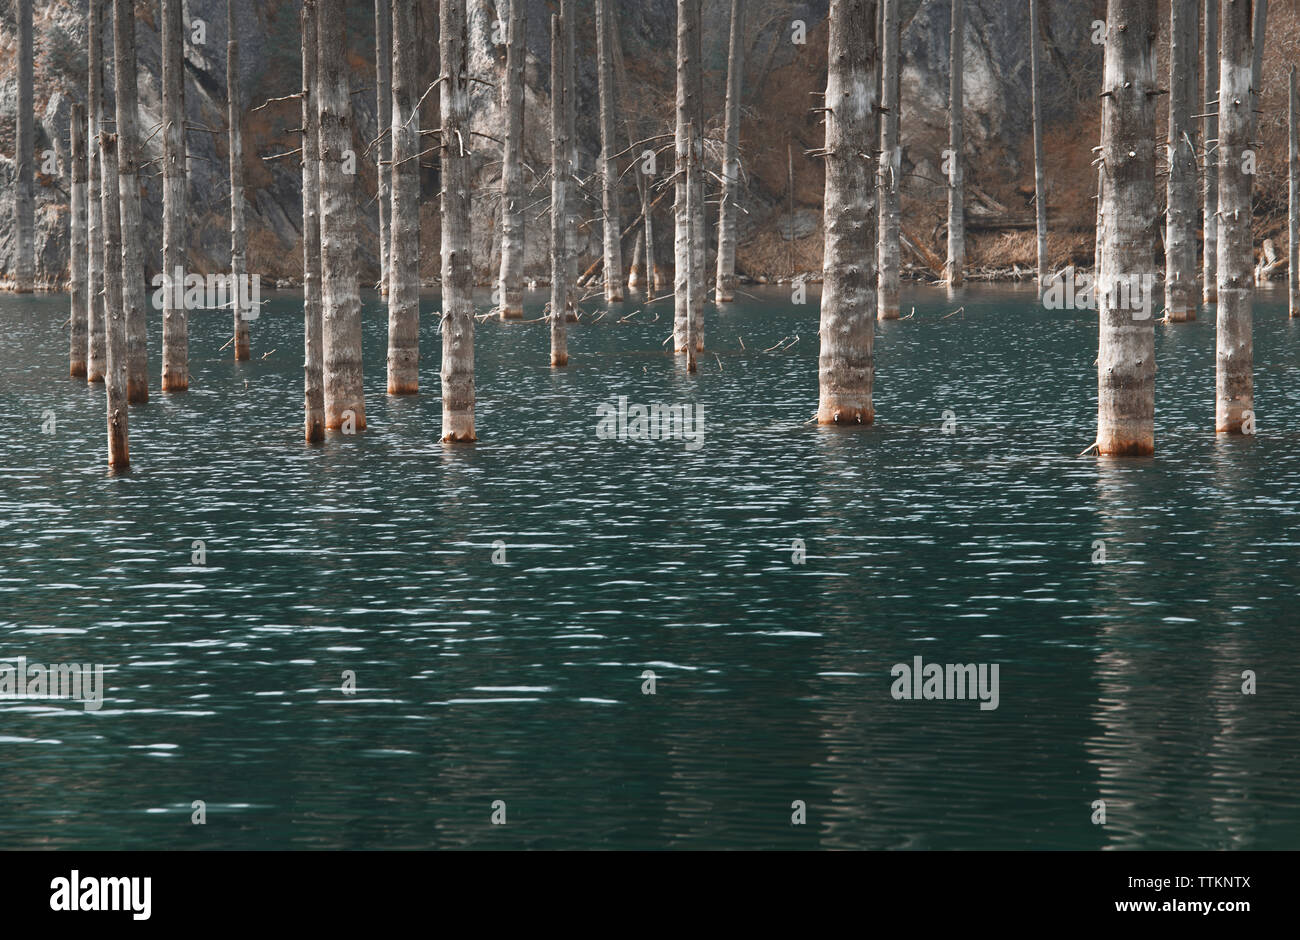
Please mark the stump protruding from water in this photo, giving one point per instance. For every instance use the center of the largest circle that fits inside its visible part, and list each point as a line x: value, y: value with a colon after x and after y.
x: 725, y: 282
x: 95, y: 338
x: 77, y: 246
x: 889, y: 251
x: 1040, y: 169
x: 846, y: 369
x: 238, y: 233
x: 313, y: 377
x: 176, y: 337
x: 1126, y: 368
x: 689, y: 111
x: 511, y: 285
x: 612, y: 229
x: 1210, y: 133
x: 131, y: 262
x: 956, y: 182
x: 1181, y: 288
x: 115, y: 368
x: 560, y: 178
x: 1293, y: 195
x: 403, y: 263
x: 25, y: 143
x: 1234, y: 389
x: 457, y: 271
x: 385, y: 37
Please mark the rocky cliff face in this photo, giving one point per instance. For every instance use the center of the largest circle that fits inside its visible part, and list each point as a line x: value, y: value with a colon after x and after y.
x: 781, y: 75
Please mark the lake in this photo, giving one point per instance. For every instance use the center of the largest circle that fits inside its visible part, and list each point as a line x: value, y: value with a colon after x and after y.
x: 499, y: 606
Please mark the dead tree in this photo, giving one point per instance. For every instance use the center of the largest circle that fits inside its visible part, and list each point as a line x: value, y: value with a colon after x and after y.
x: 956, y: 185
x: 1234, y: 410
x: 560, y: 173
x: 511, y: 286
x: 1180, y: 220
x: 238, y: 235
x: 345, y: 404
x: 24, y: 195
x: 890, y: 164
x: 689, y: 111
x: 612, y: 227
x: 457, y: 272
x: 404, y: 232
x: 1126, y: 368
x: 725, y: 285
x: 128, y: 171
x: 1210, y: 135
x: 77, y: 247
x: 95, y: 351
x: 846, y: 370
x: 1040, y: 170
x: 385, y: 36
x: 1293, y: 198
x: 175, y: 368
x: 115, y: 368
x: 313, y: 378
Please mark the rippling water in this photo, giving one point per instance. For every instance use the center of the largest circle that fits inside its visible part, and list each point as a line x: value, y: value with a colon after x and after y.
x: 523, y: 681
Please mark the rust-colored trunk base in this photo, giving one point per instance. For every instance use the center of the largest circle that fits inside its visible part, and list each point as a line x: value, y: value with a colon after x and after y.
x: 1125, y: 447
x: 1182, y: 315
x: 559, y: 360
x: 886, y: 311
x: 512, y: 313
x: 844, y: 416
x: 95, y: 377
x: 1210, y: 295
x: 175, y: 383
x: 137, y: 393
x: 77, y: 370
x: 242, y: 351
x: 459, y: 439
x: 404, y: 387
x: 314, y: 429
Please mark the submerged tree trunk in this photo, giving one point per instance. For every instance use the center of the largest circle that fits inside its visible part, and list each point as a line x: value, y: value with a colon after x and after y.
x: 313, y: 380
x: 385, y: 36
x: 688, y: 112
x: 1234, y: 354
x: 175, y: 369
x: 457, y: 274
x: 1126, y: 368
x: 1040, y: 186
x: 128, y: 155
x: 846, y: 370
x: 238, y: 236
x: 1180, y: 227
x: 1293, y: 198
x: 115, y: 369
x: 1210, y: 136
x: 645, y: 241
x: 345, y: 405
x: 956, y: 185
x: 77, y: 247
x: 559, y: 197
x: 612, y: 226
x: 725, y: 285
x: 692, y: 277
x: 890, y: 164
x: 574, y: 248
x: 404, y: 233
x: 24, y: 196
x: 511, y: 285
x: 95, y: 351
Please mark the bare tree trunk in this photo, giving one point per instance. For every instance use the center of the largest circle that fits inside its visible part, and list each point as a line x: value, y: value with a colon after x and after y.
x: 688, y: 112
x: 576, y: 244
x: 1234, y: 355
x: 313, y: 379
x: 1210, y: 134
x: 384, y: 38
x: 404, y: 234
x: 560, y: 174
x: 24, y: 196
x: 512, y: 170
x: 956, y: 187
x: 1099, y: 236
x: 692, y: 278
x: 1293, y: 198
x: 846, y: 369
x: 115, y: 370
x: 1040, y: 171
x: 238, y: 236
x: 1180, y: 227
x: 176, y: 342
x: 1126, y: 368
x: 634, y: 277
x: 1259, y: 27
x: 613, y: 228
x: 340, y: 297
x: 890, y: 164
x: 77, y: 247
x: 457, y: 273
x: 645, y: 242
x: 95, y: 352
x: 725, y: 285
x: 128, y: 171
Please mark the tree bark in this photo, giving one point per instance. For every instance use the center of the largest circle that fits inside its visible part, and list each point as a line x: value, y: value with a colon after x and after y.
x: 95, y: 351
x: 404, y: 233
x: 128, y: 171
x: 689, y: 111
x: 77, y: 247
x: 1126, y: 367
x: 24, y: 196
x: 385, y: 37
x: 1040, y: 170
x: 848, y: 309
x: 115, y: 369
x: 313, y: 379
x: 175, y: 369
x: 612, y: 226
x: 1234, y: 355
x: 1180, y: 222
x: 512, y: 170
x: 725, y: 286
x: 1293, y: 198
x: 890, y: 164
x: 1210, y: 135
x: 560, y: 174
x: 340, y: 297
x: 457, y: 273
x: 238, y: 235
x: 645, y: 242
x: 574, y: 247
x: 956, y: 188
